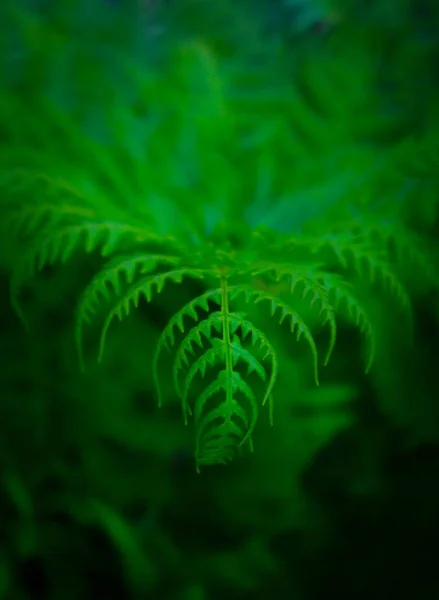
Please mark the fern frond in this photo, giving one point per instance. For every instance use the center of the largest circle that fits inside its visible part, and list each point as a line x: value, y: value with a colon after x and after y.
x: 371, y: 263
x: 406, y: 250
x: 222, y: 429
x: 208, y: 359
x: 51, y: 220
x: 345, y: 302
x: 59, y: 246
x: 110, y: 281
x: 34, y: 201
x: 305, y: 277
x: 194, y: 337
x: 296, y: 322
x: 40, y: 209
x: 146, y: 287
x: 238, y: 352
x: 257, y: 337
x: 167, y: 337
x: 217, y: 351
x: 217, y: 338
x: 122, y: 201
x: 214, y: 321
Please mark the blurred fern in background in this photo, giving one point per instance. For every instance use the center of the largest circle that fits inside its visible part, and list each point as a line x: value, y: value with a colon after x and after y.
x: 209, y: 121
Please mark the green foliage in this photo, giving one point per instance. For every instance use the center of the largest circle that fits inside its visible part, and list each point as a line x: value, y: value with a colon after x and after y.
x: 53, y: 207
x: 257, y: 210
x: 317, y: 272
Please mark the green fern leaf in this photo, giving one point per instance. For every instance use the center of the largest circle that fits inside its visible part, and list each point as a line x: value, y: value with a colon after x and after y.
x: 238, y: 352
x: 167, y: 337
x: 52, y: 201
x: 146, y: 287
x: 296, y: 322
x: 214, y: 321
x: 257, y: 338
x: 345, y: 302
x: 306, y: 277
x: 186, y: 347
x: 209, y: 358
x: 219, y: 330
x: 117, y: 208
x: 216, y: 442
x: 110, y: 281
x: 356, y: 251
